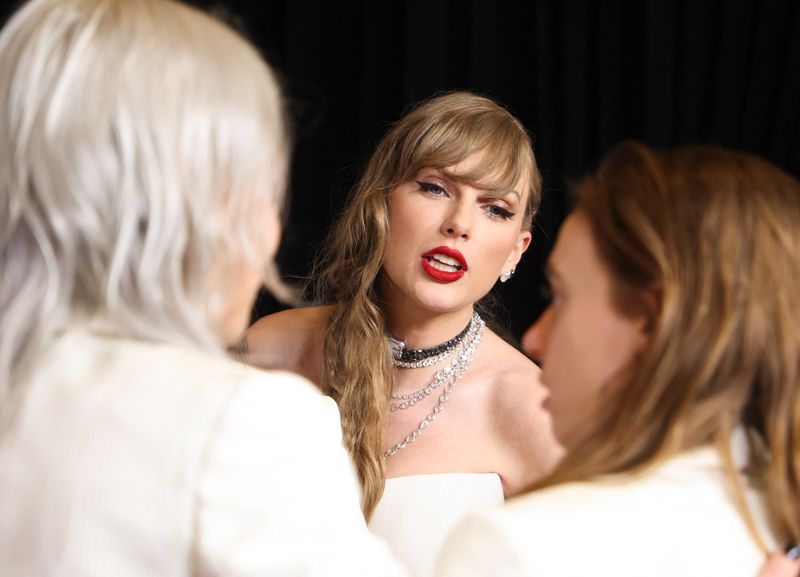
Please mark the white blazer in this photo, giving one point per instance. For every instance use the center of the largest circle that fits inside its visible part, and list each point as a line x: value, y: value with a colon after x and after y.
x: 131, y: 459
x: 677, y: 520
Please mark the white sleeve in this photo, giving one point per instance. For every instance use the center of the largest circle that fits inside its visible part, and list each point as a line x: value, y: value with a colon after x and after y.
x: 278, y: 495
x: 477, y: 547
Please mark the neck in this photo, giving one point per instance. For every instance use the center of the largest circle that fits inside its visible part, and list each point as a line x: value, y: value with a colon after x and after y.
x: 426, y: 329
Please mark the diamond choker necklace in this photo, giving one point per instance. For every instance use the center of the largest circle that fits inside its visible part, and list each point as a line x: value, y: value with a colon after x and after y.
x: 416, y: 358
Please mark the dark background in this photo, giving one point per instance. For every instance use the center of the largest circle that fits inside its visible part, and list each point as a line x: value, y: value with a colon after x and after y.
x: 582, y: 75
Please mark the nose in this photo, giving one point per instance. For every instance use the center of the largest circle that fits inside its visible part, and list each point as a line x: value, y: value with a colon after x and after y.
x: 535, y: 339
x: 458, y: 222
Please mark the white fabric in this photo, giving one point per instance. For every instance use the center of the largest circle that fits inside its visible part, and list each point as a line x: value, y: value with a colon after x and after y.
x: 133, y: 459
x: 416, y: 513
x: 676, y: 520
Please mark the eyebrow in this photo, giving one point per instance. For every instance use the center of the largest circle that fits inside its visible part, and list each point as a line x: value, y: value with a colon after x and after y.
x: 453, y: 176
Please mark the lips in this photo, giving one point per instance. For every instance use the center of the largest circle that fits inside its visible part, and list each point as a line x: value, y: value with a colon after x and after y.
x: 444, y: 264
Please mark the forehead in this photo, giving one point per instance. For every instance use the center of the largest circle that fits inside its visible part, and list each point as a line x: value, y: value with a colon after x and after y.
x: 575, y: 259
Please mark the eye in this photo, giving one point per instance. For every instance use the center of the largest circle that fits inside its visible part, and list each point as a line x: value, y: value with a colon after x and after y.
x: 550, y: 295
x: 431, y: 188
x: 499, y: 212
x: 545, y: 292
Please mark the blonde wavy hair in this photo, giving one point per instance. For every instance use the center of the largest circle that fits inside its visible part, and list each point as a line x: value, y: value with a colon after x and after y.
x: 715, y: 236
x: 140, y: 144
x: 439, y: 132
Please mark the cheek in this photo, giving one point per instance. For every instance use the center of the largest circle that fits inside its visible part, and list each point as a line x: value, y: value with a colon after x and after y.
x: 586, y: 350
x: 239, y: 296
x: 405, y: 224
x: 572, y: 360
x: 407, y: 215
x: 495, y: 248
x: 396, y: 257
x: 622, y: 339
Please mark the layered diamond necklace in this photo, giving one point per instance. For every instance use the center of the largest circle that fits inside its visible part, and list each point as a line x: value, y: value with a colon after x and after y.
x: 462, y: 347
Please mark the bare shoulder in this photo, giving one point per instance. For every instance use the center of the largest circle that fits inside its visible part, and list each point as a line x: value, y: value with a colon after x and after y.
x: 290, y: 340
x: 519, y: 420
x: 515, y: 387
x: 511, y: 372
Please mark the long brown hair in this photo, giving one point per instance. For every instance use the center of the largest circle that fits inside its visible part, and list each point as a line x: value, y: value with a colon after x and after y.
x: 438, y: 132
x: 715, y: 235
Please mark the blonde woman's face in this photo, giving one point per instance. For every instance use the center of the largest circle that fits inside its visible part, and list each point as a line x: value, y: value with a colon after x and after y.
x: 581, y: 340
x: 449, y: 241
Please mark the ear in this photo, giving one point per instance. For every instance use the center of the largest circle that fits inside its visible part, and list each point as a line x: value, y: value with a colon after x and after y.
x: 523, y: 242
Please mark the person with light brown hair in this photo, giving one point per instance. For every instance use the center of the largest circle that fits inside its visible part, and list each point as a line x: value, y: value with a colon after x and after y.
x: 439, y: 413
x: 671, y: 352
x: 143, y: 156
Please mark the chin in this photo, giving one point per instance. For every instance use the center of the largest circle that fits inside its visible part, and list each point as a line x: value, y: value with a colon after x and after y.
x: 446, y: 297
x: 440, y: 303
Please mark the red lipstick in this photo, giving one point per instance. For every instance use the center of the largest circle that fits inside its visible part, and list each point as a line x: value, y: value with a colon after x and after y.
x: 444, y: 276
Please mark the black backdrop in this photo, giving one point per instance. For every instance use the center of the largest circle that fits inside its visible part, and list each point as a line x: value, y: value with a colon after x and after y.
x: 580, y: 74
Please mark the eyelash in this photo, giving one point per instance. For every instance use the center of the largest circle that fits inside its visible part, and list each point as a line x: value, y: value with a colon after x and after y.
x: 501, y: 213
x: 495, y: 211
x: 431, y: 188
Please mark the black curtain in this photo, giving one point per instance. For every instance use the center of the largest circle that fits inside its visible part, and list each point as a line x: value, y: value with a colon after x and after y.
x: 582, y: 75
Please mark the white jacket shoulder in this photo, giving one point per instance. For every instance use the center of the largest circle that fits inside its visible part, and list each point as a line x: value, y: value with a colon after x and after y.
x: 672, y: 520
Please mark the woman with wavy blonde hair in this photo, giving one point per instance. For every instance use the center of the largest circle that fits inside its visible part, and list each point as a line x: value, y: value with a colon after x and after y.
x: 143, y: 158
x: 445, y: 409
x: 672, y: 355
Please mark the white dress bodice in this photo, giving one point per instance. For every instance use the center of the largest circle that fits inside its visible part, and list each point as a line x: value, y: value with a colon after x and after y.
x: 417, y: 512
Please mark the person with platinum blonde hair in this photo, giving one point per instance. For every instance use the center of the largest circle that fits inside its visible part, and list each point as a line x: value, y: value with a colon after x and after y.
x: 143, y: 156
x: 671, y: 351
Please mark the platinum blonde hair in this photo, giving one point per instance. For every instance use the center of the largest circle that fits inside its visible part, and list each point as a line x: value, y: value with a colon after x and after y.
x: 140, y: 144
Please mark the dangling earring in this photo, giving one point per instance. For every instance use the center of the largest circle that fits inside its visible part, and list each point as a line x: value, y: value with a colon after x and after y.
x: 507, y: 274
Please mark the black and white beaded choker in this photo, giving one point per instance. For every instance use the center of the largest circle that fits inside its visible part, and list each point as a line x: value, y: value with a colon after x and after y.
x: 408, y: 358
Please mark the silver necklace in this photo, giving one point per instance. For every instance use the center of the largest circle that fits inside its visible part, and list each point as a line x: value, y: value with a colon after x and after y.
x: 451, y: 374
x: 409, y: 358
x: 441, y: 376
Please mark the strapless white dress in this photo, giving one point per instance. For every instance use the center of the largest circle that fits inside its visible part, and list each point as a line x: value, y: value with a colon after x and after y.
x: 417, y: 513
